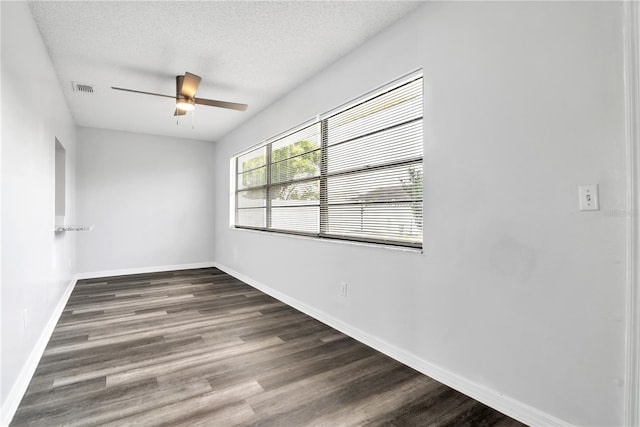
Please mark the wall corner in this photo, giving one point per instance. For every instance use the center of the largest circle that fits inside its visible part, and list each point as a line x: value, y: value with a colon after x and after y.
x: 632, y: 124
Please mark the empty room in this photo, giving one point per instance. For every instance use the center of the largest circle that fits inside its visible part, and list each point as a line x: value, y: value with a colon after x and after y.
x: 320, y: 213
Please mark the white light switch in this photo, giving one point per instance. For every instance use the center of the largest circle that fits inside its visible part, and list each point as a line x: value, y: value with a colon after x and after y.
x: 588, y: 197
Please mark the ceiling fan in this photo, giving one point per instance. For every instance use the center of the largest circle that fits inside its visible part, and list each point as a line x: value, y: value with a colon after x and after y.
x: 186, y: 87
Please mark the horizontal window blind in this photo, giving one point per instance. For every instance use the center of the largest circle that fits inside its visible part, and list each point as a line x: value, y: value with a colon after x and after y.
x: 251, y: 193
x: 294, y: 194
x: 353, y: 175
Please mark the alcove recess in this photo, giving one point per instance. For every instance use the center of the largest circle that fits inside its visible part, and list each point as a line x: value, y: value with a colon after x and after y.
x: 60, y: 178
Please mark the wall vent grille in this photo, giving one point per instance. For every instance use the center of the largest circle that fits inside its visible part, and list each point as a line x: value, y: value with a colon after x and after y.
x: 79, y: 87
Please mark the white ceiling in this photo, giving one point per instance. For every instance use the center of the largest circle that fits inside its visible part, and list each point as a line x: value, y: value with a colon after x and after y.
x: 248, y: 52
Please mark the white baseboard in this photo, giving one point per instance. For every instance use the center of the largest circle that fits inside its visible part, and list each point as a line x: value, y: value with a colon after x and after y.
x: 28, y: 369
x: 509, y: 406
x: 141, y: 270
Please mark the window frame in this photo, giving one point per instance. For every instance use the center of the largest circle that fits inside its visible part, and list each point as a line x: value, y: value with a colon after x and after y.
x: 324, y: 175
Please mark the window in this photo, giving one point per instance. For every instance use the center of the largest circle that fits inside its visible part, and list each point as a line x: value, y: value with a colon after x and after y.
x: 354, y: 174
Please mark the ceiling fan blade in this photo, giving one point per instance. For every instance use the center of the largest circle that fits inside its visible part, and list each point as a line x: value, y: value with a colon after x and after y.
x: 180, y: 112
x: 179, y: 80
x: 190, y: 85
x: 221, y: 104
x: 144, y: 93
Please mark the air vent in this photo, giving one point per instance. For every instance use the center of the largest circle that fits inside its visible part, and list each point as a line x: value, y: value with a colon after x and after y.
x: 79, y: 87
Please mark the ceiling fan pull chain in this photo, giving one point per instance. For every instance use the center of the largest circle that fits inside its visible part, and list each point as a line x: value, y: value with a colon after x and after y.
x: 193, y: 119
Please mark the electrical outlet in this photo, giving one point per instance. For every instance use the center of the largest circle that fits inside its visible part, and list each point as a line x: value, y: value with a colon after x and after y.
x: 343, y: 289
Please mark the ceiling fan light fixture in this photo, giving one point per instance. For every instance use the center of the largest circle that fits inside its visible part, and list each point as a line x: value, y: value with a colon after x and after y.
x: 185, y: 104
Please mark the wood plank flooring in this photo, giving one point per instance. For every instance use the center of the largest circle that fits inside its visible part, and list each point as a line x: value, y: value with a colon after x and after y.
x: 199, y: 347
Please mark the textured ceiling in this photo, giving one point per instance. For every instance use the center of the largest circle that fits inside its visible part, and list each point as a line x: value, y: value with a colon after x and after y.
x: 248, y: 52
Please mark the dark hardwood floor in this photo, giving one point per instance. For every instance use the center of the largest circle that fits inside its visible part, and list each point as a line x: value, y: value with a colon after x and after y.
x: 199, y: 347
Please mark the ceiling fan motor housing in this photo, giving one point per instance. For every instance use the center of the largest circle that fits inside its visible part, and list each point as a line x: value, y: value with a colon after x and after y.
x: 183, y: 102
x: 179, y: 80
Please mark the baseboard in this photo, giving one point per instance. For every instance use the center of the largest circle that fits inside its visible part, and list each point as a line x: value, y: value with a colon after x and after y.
x: 28, y: 369
x: 142, y: 270
x: 509, y: 406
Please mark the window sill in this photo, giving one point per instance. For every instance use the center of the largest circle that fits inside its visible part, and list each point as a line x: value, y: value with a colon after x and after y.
x: 333, y: 241
x: 63, y: 228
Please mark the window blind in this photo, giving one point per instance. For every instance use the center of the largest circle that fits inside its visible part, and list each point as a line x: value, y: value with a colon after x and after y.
x: 355, y: 174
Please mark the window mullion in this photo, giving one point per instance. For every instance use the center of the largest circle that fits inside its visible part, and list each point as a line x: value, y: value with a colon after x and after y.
x: 235, y: 208
x: 324, y: 143
x: 268, y: 192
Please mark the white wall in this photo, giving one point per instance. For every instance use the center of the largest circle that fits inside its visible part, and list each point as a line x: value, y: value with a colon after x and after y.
x: 517, y: 292
x: 37, y: 265
x: 150, y: 199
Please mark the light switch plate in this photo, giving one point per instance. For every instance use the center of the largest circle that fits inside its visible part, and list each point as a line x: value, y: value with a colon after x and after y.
x: 588, y: 199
